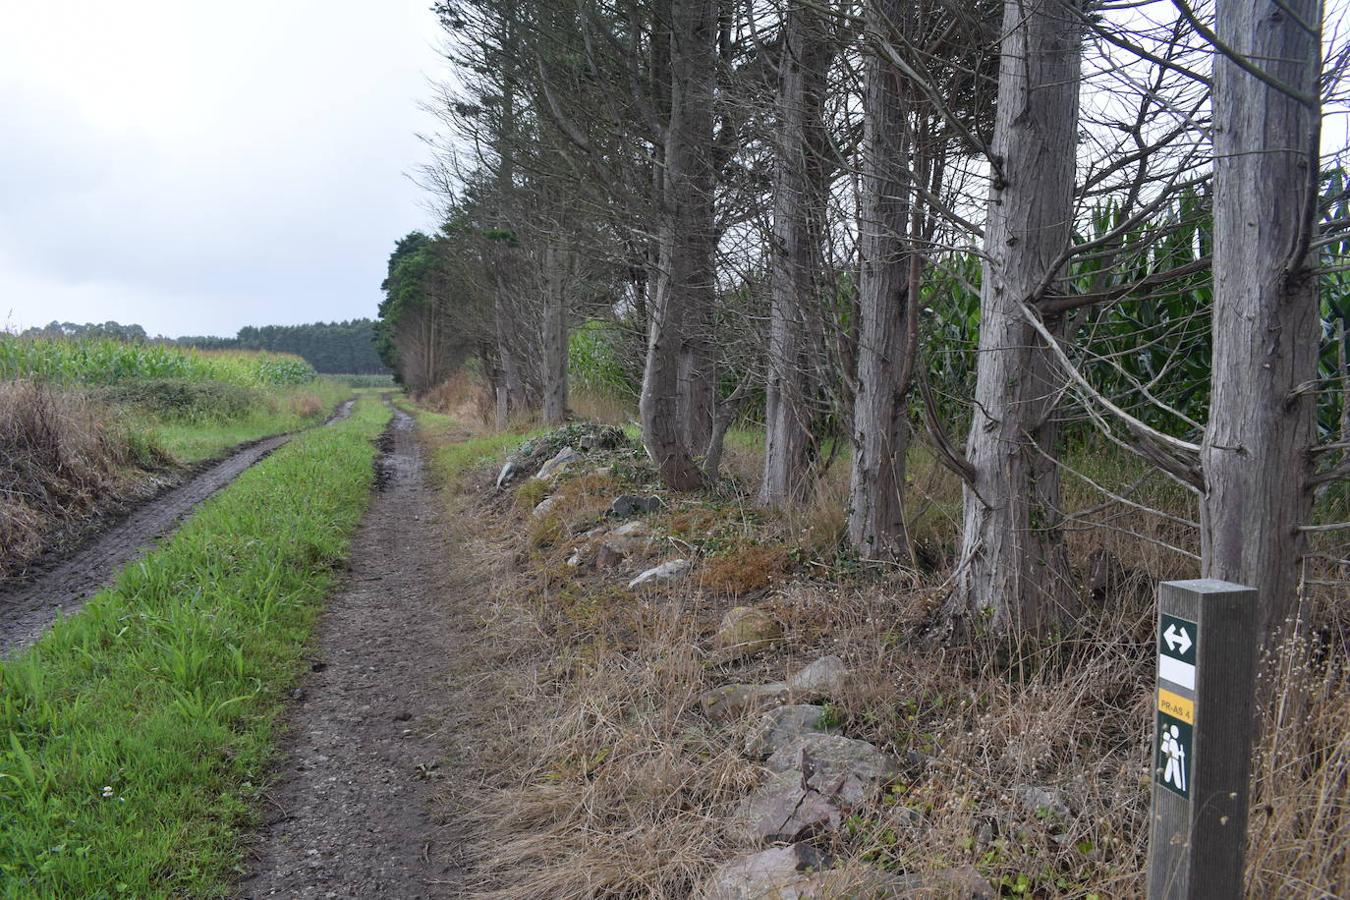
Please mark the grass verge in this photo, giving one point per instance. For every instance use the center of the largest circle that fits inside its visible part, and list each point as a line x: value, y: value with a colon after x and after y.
x: 133, y: 736
x: 454, y: 449
x: 284, y: 409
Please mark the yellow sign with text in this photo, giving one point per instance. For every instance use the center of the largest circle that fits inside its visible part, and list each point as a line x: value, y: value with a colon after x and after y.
x: 1176, y: 706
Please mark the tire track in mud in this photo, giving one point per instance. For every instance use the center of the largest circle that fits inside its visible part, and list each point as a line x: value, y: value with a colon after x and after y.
x: 353, y: 812
x: 29, y: 605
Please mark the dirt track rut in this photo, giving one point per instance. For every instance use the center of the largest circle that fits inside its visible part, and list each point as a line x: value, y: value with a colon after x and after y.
x: 353, y: 813
x: 29, y: 605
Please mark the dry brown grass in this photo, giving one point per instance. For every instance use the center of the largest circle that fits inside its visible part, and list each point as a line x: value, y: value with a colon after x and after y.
x: 602, y: 779
x: 463, y: 397
x: 605, y: 408
x: 1299, y: 832
x: 62, y: 458
x: 306, y: 405
x: 745, y: 569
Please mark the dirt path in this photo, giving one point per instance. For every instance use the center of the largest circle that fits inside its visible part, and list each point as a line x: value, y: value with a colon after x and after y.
x: 352, y: 814
x: 29, y: 605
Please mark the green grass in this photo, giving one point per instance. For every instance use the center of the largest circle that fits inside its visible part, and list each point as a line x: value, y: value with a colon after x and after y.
x: 284, y: 409
x: 134, y: 735
x: 107, y: 361
x: 451, y: 459
x: 366, y: 381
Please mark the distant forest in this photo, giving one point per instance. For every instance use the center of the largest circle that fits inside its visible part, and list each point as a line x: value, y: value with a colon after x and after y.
x: 330, y: 347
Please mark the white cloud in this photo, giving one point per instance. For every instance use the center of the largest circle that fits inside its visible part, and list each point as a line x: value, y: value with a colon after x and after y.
x: 197, y: 167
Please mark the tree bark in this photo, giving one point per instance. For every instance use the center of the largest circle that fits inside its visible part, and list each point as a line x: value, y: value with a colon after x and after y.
x: 1013, y: 568
x: 798, y: 204
x: 1255, y: 456
x: 876, y: 527
x: 684, y: 287
x: 557, y: 270
x: 504, y: 328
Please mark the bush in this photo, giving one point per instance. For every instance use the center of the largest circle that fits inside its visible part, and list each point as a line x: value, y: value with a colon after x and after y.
x: 184, y: 400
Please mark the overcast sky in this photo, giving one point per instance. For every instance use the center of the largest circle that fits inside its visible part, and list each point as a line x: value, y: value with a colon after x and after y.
x: 196, y: 167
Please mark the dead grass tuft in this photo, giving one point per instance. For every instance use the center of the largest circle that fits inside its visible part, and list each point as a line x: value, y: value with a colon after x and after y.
x: 746, y: 569
x: 463, y: 397
x: 63, y: 457
x: 605, y: 408
x: 306, y: 405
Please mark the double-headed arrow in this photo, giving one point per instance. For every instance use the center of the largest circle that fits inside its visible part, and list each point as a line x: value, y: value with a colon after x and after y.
x: 1174, y: 637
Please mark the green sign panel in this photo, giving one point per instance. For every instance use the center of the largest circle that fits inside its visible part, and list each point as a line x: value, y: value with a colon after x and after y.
x: 1173, y: 756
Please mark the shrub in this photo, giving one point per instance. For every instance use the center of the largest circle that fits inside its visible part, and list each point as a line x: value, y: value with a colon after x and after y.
x: 181, y: 399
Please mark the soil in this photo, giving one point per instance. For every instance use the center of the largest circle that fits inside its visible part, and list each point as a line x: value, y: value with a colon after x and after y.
x: 62, y: 581
x: 353, y: 811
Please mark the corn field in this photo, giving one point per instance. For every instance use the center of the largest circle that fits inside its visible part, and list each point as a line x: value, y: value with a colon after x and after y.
x: 106, y: 361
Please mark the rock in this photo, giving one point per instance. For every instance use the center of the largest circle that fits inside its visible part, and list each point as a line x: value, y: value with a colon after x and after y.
x: 509, y: 471
x: 783, y: 810
x: 781, y: 872
x: 735, y: 700
x: 609, y: 557
x: 800, y: 872
x: 839, y: 768
x: 746, y: 630
x: 558, y: 464
x: 1042, y: 801
x: 665, y: 573
x: 631, y: 537
x: 823, y: 678
x: 632, y: 505
x: 544, y: 507
x: 782, y: 726
x: 576, y: 560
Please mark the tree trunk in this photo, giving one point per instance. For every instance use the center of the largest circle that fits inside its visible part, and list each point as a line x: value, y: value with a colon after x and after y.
x: 797, y: 210
x: 876, y: 526
x: 557, y: 269
x: 698, y: 379
x: 685, y: 283
x: 1013, y: 568
x: 1266, y: 328
x: 504, y: 326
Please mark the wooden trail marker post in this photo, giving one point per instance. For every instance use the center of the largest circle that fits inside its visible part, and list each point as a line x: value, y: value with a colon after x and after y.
x: 1207, y: 647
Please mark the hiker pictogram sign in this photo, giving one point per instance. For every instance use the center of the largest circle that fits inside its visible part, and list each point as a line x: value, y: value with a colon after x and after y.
x: 1174, y: 754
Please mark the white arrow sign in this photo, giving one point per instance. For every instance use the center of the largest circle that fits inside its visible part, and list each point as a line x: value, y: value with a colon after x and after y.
x: 1175, y: 638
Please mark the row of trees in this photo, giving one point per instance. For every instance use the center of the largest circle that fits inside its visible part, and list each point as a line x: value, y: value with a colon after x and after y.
x: 79, y: 330
x: 797, y: 203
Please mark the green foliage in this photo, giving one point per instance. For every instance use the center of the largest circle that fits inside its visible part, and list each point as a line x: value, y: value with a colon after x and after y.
x: 404, y: 287
x: 184, y: 400
x: 332, y: 348
x: 1153, y: 345
x: 278, y: 410
x: 596, y: 361
x: 134, y: 735
x: 109, y: 360
x: 366, y: 381
x: 89, y: 330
